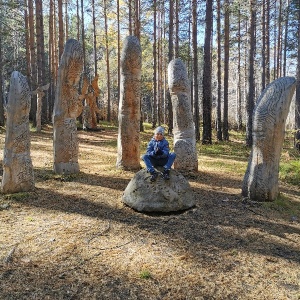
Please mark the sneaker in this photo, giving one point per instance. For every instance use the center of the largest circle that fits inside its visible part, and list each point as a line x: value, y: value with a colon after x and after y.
x: 154, y: 175
x: 166, y: 174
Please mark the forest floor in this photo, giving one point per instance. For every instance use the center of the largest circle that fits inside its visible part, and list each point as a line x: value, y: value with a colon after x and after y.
x: 73, y: 238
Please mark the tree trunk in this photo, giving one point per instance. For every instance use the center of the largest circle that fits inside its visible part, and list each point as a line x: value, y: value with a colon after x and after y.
x: 51, y: 60
x: 61, y: 41
x: 251, y: 79
x: 83, y: 36
x: 207, y: 94
x: 226, y: 71
x: 177, y: 29
x: 297, y: 104
x: 2, y: 122
x: 219, y: 78
x: 154, y: 108
x: 107, y: 63
x: 66, y: 21
x: 267, y: 32
x: 94, y: 38
x: 170, y: 57
x: 263, y: 48
x: 119, y: 48
x: 41, y: 65
x: 33, y: 61
x: 195, y: 73
x: 286, y: 27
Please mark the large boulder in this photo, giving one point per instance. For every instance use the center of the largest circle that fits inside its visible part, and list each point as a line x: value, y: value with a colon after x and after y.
x: 160, y: 196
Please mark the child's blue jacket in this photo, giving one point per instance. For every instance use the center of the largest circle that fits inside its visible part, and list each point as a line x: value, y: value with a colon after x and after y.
x: 163, y: 145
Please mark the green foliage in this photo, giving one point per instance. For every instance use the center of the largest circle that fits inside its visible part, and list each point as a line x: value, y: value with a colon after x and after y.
x: 17, y: 196
x: 289, y: 172
x: 284, y: 204
x: 145, y: 274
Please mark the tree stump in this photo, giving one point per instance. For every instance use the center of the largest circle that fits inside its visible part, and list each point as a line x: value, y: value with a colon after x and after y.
x: 184, y: 128
x: 129, y: 106
x: 18, y: 173
x: 67, y: 102
x: 261, y: 177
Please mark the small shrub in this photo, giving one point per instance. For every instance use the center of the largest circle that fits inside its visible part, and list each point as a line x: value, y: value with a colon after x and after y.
x: 145, y: 274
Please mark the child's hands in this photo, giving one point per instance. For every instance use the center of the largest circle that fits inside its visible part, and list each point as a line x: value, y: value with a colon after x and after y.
x: 158, y: 151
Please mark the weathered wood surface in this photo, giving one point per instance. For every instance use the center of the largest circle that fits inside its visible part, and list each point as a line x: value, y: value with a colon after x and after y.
x: 66, y: 106
x: 269, y: 118
x: 18, y: 175
x: 129, y: 106
x: 184, y: 128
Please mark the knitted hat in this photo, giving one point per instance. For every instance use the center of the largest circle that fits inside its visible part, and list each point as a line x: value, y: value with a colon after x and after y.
x: 159, y: 129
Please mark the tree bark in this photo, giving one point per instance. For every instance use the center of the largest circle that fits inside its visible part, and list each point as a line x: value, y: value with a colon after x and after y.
x: 207, y: 96
x: 195, y: 68
x: 219, y: 78
x: 226, y: 71
x: 251, y: 78
x: 154, y: 107
x: 107, y: 62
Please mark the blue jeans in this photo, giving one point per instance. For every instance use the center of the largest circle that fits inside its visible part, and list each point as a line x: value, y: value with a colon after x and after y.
x: 152, y: 162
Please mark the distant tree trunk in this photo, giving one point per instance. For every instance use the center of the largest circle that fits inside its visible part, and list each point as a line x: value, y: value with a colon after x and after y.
x: 170, y: 57
x: 279, y: 42
x: 94, y: 38
x: 32, y: 60
x: 27, y: 42
x: 137, y: 22
x: 226, y: 71
x: 77, y: 20
x: 119, y: 47
x: 177, y: 29
x: 219, y: 78
x: 251, y: 80
x: 239, y: 85
x: 263, y: 48
x: 267, y: 32
x: 2, y: 121
x: 195, y: 67
x: 207, y: 94
x: 274, y: 17
x: 83, y: 36
x: 61, y: 41
x: 154, y: 108
x: 130, y: 16
x: 41, y: 64
x: 52, y: 55
x: 297, y: 104
x: 66, y: 20
x: 286, y: 27
x: 107, y: 62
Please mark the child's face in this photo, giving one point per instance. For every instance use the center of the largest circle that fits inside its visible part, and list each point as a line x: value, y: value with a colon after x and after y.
x: 158, y: 136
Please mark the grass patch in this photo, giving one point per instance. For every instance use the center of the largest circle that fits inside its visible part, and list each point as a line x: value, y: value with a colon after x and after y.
x: 18, y: 196
x: 289, y: 171
x: 284, y: 204
x: 145, y: 274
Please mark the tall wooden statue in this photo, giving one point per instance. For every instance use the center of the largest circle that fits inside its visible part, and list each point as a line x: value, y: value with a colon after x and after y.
x: 184, y: 128
x: 129, y: 105
x: 17, y: 165
x: 66, y: 107
x: 261, y: 178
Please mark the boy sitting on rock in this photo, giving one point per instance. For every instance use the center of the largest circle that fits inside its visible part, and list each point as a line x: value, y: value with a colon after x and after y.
x: 158, y: 154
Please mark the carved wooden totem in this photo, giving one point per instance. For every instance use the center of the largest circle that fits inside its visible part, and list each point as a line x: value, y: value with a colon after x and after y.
x: 17, y: 165
x: 66, y: 107
x: 261, y: 178
x: 184, y: 128
x: 90, y: 92
x: 129, y: 106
